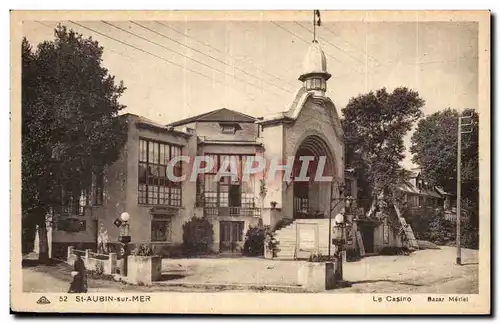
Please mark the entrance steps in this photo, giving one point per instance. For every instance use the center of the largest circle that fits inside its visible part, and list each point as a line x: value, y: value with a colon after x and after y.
x: 286, y: 238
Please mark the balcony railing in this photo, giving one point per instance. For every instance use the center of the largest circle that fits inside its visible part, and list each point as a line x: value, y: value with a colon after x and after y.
x: 231, y: 211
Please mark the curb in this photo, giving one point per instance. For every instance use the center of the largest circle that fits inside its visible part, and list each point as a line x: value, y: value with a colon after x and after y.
x: 232, y: 286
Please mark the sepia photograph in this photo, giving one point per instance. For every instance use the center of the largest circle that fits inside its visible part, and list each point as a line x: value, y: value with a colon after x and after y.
x: 251, y: 162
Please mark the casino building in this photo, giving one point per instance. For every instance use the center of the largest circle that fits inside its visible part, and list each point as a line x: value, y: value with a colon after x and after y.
x: 158, y: 208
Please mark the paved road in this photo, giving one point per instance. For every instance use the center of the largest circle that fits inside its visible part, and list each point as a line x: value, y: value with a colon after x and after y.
x: 427, y: 271
x: 34, y: 281
x: 422, y: 271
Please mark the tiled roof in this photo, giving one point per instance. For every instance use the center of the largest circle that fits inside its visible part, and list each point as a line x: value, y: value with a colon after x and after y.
x: 219, y: 115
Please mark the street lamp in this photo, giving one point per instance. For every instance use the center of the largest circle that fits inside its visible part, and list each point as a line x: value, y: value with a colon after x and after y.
x: 125, y: 239
x: 341, y: 188
x: 340, y: 239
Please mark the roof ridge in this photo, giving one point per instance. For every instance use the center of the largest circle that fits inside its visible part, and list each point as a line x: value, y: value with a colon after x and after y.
x: 200, y: 117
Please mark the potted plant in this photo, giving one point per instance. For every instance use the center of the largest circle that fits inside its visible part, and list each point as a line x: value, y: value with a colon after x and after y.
x: 317, y: 273
x: 144, y: 266
x: 273, y: 205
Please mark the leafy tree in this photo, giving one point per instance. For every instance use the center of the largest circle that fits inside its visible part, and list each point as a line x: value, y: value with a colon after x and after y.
x: 374, y: 126
x: 434, y: 148
x: 70, y: 128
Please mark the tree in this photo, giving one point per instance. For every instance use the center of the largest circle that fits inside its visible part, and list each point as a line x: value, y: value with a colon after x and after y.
x: 374, y: 126
x: 70, y: 128
x: 434, y: 148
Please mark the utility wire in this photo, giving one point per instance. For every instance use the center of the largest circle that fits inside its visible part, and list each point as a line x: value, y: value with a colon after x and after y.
x: 178, y: 53
x: 107, y: 49
x: 298, y: 37
x: 213, y: 58
x: 355, y: 47
x: 333, y: 45
x: 154, y: 55
x: 225, y: 53
x: 290, y: 32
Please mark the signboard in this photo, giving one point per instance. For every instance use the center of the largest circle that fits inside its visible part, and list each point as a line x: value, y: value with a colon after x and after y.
x: 307, y: 237
x: 117, y: 222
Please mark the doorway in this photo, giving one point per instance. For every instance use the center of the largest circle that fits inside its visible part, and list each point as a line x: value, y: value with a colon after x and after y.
x: 367, y: 233
x: 231, y: 236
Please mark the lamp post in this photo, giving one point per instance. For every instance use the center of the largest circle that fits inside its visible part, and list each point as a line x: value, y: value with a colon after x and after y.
x: 125, y: 240
x: 341, y: 188
x: 340, y: 241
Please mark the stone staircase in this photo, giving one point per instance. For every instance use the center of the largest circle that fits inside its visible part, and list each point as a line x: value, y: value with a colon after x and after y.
x: 287, y: 239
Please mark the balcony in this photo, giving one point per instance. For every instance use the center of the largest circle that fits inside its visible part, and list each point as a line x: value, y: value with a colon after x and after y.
x: 231, y: 211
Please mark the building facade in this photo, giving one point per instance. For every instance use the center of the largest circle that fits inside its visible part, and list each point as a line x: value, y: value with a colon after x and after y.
x: 137, y: 183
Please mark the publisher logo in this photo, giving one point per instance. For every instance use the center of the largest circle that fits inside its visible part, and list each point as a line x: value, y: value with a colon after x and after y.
x: 43, y: 300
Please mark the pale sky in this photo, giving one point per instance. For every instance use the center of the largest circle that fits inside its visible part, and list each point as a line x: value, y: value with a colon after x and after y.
x: 252, y: 67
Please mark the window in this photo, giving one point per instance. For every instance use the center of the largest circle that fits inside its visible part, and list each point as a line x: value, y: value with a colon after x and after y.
x: 83, y: 202
x: 161, y: 228
x: 83, y: 226
x: 301, y: 197
x: 154, y: 187
x: 229, y: 128
x: 98, y: 189
x: 74, y: 205
x: 228, y: 192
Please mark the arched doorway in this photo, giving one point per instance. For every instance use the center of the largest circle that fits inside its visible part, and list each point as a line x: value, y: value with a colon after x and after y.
x: 311, y: 198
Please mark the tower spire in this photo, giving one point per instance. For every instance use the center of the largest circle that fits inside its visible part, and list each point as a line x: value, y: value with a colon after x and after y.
x: 316, y: 15
x: 315, y: 74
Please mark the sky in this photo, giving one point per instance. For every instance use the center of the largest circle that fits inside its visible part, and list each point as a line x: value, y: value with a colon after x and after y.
x: 177, y: 69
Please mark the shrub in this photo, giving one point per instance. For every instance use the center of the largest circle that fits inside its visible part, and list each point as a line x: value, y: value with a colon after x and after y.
x: 434, y: 227
x: 99, y: 267
x: 254, y: 241
x: 318, y: 257
x: 197, y: 236
x: 143, y: 250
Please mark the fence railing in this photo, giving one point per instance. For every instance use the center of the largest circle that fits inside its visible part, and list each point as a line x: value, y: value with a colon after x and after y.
x: 107, y: 263
x: 79, y: 252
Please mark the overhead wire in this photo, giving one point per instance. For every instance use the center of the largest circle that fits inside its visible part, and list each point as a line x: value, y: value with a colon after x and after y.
x: 208, y: 55
x: 225, y: 53
x: 154, y: 55
x: 348, y: 43
x: 189, y: 58
x: 333, y: 45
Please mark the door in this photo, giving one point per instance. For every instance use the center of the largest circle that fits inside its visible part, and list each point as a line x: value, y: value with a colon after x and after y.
x: 368, y: 238
x: 231, y: 236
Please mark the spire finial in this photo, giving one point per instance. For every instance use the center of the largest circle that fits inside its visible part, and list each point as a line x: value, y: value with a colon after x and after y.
x: 317, y: 15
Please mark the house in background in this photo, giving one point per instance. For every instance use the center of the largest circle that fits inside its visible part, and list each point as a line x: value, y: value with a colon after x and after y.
x: 418, y: 194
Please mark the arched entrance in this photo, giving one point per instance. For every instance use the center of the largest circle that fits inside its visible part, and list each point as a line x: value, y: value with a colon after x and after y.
x: 311, y: 198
